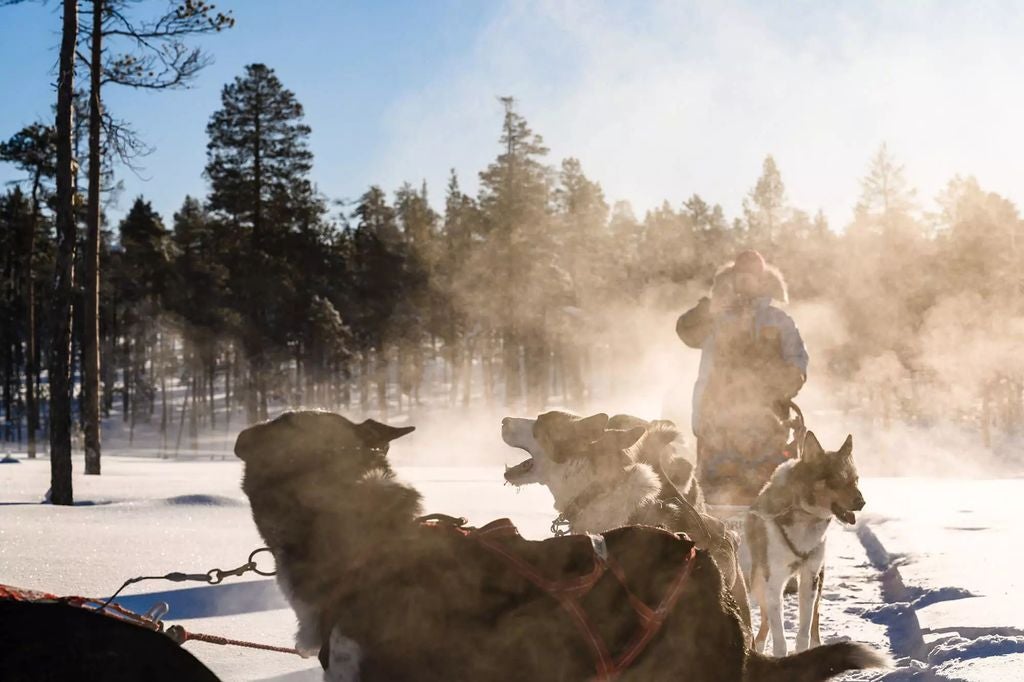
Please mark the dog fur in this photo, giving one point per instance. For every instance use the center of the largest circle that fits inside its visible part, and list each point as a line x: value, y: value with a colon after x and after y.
x: 785, y: 529
x: 618, y: 466
x: 419, y: 604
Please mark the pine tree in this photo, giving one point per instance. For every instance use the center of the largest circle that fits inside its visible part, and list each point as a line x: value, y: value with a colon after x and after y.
x: 33, y: 150
x: 583, y: 213
x: 885, y: 196
x: 713, y: 234
x: 765, y: 206
x: 156, y: 59
x: 258, y: 163
x: 586, y: 253
x: 16, y: 235
x: 417, y: 315
x: 379, y: 267
x: 258, y: 153
x: 514, y: 199
x: 197, y: 293
x: 64, y: 272
x: 142, y: 277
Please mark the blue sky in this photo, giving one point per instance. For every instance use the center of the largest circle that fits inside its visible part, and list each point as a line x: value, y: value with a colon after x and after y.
x: 658, y: 99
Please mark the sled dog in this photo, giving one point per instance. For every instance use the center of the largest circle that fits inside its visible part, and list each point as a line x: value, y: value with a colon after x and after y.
x: 785, y: 529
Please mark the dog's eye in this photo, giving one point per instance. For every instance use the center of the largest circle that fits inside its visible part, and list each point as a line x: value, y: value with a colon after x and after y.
x: 837, y: 481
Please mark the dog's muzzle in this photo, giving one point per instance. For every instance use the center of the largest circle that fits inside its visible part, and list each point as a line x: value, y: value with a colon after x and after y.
x: 513, y: 474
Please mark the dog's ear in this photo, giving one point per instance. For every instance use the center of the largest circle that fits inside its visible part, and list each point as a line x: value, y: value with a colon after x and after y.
x: 625, y: 439
x: 591, y: 428
x: 812, y: 450
x: 247, y: 444
x: 375, y: 434
x: 612, y: 445
x: 846, y: 450
x: 256, y: 441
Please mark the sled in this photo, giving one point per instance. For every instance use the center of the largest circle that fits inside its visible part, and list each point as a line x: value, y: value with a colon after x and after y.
x: 47, y: 637
x: 731, y: 485
x: 731, y: 482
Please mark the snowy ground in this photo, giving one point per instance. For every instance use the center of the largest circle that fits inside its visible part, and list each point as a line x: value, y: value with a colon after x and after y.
x: 956, y: 545
x: 900, y: 583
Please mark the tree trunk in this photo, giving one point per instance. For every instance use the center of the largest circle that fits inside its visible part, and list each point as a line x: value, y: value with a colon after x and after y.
x: 193, y: 415
x: 212, y: 379
x: 468, y: 352
x: 163, y: 402
x: 31, y: 405
x: 60, y: 338
x: 228, y: 369
x: 9, y: 373
x: 181, y: 420
x: 381, y: 370
x: 127, y: 376
x: 487, y: 360
x: 252, y: 414
x: 535, y: 356
x: 511, y: 368
x: 91, y: 331
x: 364, y: 382
x: 108, y: 370
x: 19, y: 364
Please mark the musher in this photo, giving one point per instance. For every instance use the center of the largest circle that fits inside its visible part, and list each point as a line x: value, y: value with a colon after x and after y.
x: 753, y: 362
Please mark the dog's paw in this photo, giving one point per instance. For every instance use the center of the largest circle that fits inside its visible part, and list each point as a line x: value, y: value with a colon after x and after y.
x: 306, y: 651
x: 343, y: 664
x: 307, y: 641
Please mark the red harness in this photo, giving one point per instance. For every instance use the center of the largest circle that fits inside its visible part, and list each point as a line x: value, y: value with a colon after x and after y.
x: 570, y: 592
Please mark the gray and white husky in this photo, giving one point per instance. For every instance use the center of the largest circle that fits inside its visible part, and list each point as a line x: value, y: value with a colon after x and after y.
x: 785, y: 531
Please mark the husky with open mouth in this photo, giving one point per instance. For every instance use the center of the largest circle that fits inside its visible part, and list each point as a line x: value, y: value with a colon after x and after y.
x: 605, y: 472
x: 786, y: 528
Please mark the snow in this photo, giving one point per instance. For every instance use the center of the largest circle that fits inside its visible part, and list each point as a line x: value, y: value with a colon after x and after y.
x: 950, y: 541
x: 954, y: 542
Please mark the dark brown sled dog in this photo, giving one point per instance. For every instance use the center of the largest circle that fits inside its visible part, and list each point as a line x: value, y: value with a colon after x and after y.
x: 394, y: 600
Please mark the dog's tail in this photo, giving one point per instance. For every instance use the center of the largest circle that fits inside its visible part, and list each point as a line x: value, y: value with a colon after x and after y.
x: 814, y: 665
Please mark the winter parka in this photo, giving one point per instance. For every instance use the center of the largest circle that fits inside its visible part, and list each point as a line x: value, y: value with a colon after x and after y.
x: 753, y: 361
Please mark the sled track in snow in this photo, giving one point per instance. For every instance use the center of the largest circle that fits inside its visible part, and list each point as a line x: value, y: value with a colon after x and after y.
x: 899, y: 616
x: 899, y: 613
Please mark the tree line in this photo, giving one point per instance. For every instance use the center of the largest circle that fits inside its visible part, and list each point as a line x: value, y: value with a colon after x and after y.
x: 264, y: 292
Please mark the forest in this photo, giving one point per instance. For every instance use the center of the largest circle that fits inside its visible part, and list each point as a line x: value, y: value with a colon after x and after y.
x: 269, y: 292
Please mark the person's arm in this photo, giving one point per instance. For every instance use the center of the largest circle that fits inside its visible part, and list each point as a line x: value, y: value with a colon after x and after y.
x: 695, y: 324
x: 794, y: 356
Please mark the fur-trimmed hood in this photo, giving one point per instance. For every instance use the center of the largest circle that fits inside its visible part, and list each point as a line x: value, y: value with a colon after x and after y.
x: 773, y: 284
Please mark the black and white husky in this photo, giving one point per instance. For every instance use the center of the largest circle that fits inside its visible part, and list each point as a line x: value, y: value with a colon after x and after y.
x: 785, y: 531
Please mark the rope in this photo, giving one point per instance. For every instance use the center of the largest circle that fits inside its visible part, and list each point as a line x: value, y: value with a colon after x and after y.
x: 214, y: 576
x: 180, y: 635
